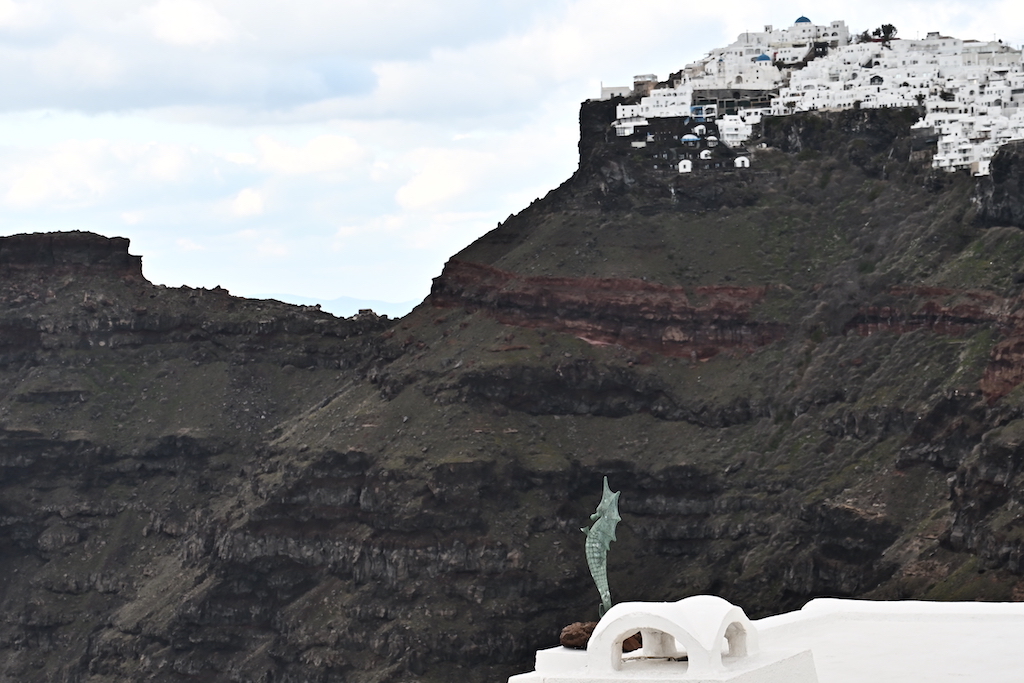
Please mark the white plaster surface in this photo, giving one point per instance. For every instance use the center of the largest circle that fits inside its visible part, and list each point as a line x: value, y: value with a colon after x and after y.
x: 851, y: 641
x: 718, y: 640
x: 857, y: 641
x: 561, y: 665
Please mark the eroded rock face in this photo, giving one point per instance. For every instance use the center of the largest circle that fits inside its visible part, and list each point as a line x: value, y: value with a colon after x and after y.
x: 68, y: 251
x: 630, y: 313
x: 804, y: 379
x: 125, y: 411
x: 1000, y: 195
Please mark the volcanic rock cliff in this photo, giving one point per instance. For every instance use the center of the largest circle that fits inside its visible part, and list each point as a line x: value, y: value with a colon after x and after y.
x: 803, y: 376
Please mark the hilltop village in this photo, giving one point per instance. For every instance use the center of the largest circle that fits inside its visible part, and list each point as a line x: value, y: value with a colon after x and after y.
x: 971, y: 91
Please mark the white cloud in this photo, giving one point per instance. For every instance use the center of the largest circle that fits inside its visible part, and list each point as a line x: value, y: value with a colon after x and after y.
x: 75, y: 174
x: 454, y: 229
x: 165, y: 162
x: 266, y: 244
x: 240, y: 158
x: 74, y: 64
x: 9, y: 12
x: 20, y: 16
x: 407, y: 58
x: 186, y: 244
x: 71, y: 172
x: 187, y: 22
x: 348, y: 235
x: 322, y: 154
x: 441, y: 175
x: 32, y: 186
x: 248, y: 202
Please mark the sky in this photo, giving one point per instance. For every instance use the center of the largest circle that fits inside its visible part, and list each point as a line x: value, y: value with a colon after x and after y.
x: 335, y: 148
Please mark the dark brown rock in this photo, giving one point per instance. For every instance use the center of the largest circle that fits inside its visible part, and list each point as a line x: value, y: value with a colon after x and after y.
x: 577, y: 634
x: 999, y: 196
x: 634, y: 642
x: 69, y: 250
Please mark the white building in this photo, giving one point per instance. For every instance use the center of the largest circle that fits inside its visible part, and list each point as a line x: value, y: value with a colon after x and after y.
x: 972, y: 90
x: 736, y: 129
x: 828, y: 641
x: 699, y: 639
x: 749, y: 63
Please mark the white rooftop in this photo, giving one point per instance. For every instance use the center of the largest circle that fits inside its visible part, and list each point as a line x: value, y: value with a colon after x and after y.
x: 854, y: 641
x: 828, y: 641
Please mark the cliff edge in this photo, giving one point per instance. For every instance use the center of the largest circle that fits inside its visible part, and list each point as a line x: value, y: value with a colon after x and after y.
x: 804, y: 376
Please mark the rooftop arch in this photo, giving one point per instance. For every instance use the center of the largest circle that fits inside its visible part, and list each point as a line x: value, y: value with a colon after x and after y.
x: 705, y: 628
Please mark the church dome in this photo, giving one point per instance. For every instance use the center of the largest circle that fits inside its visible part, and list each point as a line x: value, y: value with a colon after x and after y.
x: 802, y: 20
x: 762, y: 58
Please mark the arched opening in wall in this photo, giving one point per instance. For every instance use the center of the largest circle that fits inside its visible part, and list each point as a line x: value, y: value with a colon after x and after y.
x: 658, y: 649
x: 739, y: 79
x: 736, y: 640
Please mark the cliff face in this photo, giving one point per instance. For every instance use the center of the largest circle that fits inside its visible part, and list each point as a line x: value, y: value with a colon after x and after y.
x: 628, y: 312
x: 1000, y: 195
x: 67, y: 252
x: 128, y: 413
x: 804, y: 377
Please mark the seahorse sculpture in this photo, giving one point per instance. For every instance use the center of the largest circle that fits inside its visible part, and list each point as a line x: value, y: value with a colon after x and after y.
x: 599, y: 538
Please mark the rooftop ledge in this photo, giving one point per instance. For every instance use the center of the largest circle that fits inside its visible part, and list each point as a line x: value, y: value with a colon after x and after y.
x: 705, y: 638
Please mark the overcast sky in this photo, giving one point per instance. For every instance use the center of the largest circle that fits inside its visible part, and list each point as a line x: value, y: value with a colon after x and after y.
x: 330, y: 148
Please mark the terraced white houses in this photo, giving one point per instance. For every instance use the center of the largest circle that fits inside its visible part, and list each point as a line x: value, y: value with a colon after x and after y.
x: 971, y: 91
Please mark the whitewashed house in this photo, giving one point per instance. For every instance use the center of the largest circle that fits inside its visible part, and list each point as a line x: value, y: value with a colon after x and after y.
x: 972, y: 91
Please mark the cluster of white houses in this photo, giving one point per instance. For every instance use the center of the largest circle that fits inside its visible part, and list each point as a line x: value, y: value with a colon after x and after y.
x: 972, y: 91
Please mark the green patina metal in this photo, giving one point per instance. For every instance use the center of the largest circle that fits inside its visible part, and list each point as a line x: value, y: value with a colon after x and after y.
x: 599, y: 538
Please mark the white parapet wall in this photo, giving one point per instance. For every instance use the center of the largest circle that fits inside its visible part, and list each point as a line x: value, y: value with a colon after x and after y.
x: 829, y: 640
x: 700, y: 639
